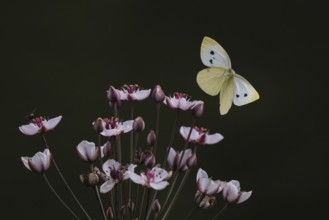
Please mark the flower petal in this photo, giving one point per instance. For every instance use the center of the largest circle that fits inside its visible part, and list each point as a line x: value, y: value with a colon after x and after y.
x: 184, y: 131
x: 201, y: 174
x: 207, y: 186
x: 123, y: 94
x: 244, y: 196
x: 52, y: 123
x: 171, y: 157
x: 230, y: 193
x: 26, y: 163
x: 213, y: 138
x: 127, y: 126
x: 142, y: 94
x: 159, y: 185
x: 30, y: 129
x: 136, y: 178
x: 87, y: 151
x: 186, y: 156
x: 107, y: 186
x: 111, y: 132
x: 131, y: 168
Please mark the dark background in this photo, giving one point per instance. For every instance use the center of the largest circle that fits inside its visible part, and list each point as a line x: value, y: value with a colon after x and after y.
x: 61, y: 56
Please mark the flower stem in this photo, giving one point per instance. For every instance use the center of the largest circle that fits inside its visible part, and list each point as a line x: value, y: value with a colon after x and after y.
x: 132, y: 153
x: 99, y: 197
x: 220, y: 212
x: 142, y: 204
x: 147, y: 201
x: 176, y: 194
x: 157, y: 125
x: 195, y: 209
x: 171, y: 137
x: 58, y: 197
x: 64, y: 180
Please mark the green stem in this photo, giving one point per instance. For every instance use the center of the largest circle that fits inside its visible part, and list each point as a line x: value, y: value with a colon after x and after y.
x: 64, y: 180
x: 142, y: 204
x: 99, y: 197
x: 196, y: 208
x: 176, y: 194
x: 220, y: 212
x: 173, y: 132
x: 58, y: 197
x: 157, y: 125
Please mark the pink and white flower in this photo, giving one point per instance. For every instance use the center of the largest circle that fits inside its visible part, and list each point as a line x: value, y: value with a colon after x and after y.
x: 154, y: 178
x: 200, y: 135
x: 174, y: 158
x: 40, y: 125
x: 88, y: 151
x: 206, y: 185
x: 232, y: 193
x: 133, y: 92
x: 115, y: 173
x: 39, y: 163
x: 180, y: 101
x: 113, y: 127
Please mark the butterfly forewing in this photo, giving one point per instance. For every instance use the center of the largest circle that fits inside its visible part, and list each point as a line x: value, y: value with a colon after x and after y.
x: 214, y: 55
x: 244, y: 91
x: 211, y: 80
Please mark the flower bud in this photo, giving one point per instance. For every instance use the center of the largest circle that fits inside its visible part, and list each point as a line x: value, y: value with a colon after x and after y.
x: 99, y: 125
x: 90, y: 179
x: 151, y: 137
x: 109, y: 213
x: 156, y: 207
x: 113, y: 96
x: 207, y: 202
x: 138, y: 124
x: 149, y: 159
x: 158, y: 94
x: 198, y: 109
x: 130, y: 205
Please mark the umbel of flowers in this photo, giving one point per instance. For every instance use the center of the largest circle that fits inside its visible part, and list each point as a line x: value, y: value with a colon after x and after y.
x: 130, y: 177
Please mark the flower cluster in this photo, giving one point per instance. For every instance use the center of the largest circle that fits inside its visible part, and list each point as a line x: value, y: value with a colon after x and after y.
x: 132, y: 176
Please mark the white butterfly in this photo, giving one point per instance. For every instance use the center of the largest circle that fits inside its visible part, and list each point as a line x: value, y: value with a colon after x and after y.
x: 221, y: 78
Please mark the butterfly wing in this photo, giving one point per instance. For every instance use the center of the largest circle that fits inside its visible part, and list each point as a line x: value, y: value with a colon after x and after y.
x: 213, y: 54
x: 226, y: 95
x: 244, y: 91
x: 210, y: 80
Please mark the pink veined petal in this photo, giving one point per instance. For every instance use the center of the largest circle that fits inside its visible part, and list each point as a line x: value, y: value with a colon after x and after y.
x: 244, y: 196
x: 136, y: 178
x: 232, y: 193
x: 127, y: 126
x: 184, y: 131
x: 26, y: 163
x: 131, y: 168
x: 37, y: 162
x: 201, y: 174
x: 142, y: 94
x: 159, y: 174
x: 236, y: 183
x: 123, y: 94
x: 52, y: 123
x: 111, y: 132
x: 171, y: 102
x: 110, y: 164
x: 107, y: 186
x: 30, y: 129
x: 207, y: 186
x: 159, y: 185
x: 87, y: 150
x: 184, y: 105
x: 48, y: 158
x: 214, y: 138
x: 171, y: 157
x: 220, y: 184
x: 186, y: 156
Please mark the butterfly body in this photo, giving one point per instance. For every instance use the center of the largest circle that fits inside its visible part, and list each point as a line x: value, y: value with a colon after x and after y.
x: 220, y: 78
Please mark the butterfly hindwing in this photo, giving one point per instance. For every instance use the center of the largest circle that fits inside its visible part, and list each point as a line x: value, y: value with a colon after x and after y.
x: 226, y: 95
x: 210, y: 80
x: 244, y: 91
x: 213, y: 54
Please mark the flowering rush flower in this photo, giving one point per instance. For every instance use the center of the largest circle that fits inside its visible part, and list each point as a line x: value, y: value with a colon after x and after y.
x: 88, y: 151
x: 133, y: 92
x: 174, y: 158
x: 39, y: 163
x: 206, y: 185
x: 113, y: 127
x: 200, y: 135
x: 154, y: 178
x: 40, y: 125
x: 180, y: 101
x: 232, y: 193
x: 115, y: 173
